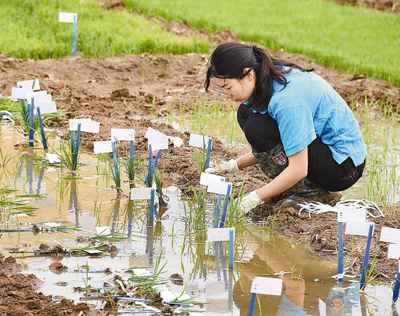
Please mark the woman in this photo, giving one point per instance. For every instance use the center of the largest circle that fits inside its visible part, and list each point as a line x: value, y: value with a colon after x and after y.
x: 302, y: 133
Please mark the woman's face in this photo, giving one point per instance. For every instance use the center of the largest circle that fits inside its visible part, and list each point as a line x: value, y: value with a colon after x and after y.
x: 238, y: 90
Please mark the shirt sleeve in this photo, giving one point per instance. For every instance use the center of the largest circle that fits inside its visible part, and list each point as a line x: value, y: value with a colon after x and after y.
x: 296, y: 127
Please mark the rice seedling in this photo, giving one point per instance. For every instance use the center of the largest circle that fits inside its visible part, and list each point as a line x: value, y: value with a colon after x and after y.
x: 69, y: 151
x: 116, y: 168
x: 347, y: 43
x: 131, y: 165
x: 101, y: 32
x: 162, y: 198
x: 5, y: 159
x: 145, y: 284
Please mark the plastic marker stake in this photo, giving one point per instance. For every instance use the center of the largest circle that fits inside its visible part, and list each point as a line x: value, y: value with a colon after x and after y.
x: 31, y: 125
x: 42, y: 133
x: 199, y: 141
x: 208, y: 157
x: 396, y: 288
x: 223, y: 234
x: 391, y: 235
x: 32, y: 85
x: 352, y: 215
x: 67, y: 17
x: 123, y: 134
x: 102, y: 147
x: 358, y: 229
x: 364, y: 268
x: 264, y: 286
x: 131, y: 150
x: 394, y: 251
x: 226, y: 204
x: 217, y: 210
x: 231, y: 248
x: 141, y: 193
x: 340, y: 267
x: 116, y: 174
x: 152, y: 207
x: 207, y: 178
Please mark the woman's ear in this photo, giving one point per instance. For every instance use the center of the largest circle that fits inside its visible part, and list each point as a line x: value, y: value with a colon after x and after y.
x: 251, y: 75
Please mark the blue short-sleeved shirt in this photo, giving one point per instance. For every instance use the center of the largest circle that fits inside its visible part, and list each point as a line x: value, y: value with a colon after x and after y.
x: 307, y: 108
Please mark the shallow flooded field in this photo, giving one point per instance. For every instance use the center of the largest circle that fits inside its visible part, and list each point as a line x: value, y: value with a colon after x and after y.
x: 84, y: 240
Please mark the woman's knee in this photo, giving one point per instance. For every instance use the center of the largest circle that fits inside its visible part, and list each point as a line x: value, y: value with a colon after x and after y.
x: 261, y: 132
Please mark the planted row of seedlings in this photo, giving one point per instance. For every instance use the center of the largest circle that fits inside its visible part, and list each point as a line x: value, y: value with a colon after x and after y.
x: 351, y: 217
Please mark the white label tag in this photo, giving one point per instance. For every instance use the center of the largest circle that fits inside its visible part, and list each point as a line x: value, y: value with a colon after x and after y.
x: 153, y: 133
x: 199, y: 141
x: 20, y: 93
x: 207, y: 178
x: 391, y: 235
x: 355, y: 215
x: 219, y: 234
x: 29, y: 84
x: 87, y: 125
x: 218, y: 187
x: 358, y: 229
x: 266, y: 286
x: 46, y: 107
x: 394, y: 251
x: 52, y: 158
x: 122, y: 134
x: 40, y: 96
x: 67, y: 17
x: 158, y: 143
x: 141, y: 193
x: 103, y: 230
x: 321, y: 307
x: 102, y: 147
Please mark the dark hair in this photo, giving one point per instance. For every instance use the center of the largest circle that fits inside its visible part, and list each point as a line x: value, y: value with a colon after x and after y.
x: 229, y: 60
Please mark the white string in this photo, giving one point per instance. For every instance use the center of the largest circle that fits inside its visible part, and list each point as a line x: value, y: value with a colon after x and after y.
x: 371, y: 208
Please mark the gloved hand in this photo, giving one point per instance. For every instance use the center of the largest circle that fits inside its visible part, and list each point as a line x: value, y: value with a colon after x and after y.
x: 224, y: 166
x: 249, y: 202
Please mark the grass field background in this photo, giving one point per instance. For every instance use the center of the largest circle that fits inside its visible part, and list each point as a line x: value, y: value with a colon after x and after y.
x: 30, y: 29
x: 354, y: 39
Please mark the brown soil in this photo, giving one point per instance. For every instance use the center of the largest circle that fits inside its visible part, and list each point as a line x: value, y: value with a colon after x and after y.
x: 19, y: 297
x: 125, y: 91
x: 382, y: 5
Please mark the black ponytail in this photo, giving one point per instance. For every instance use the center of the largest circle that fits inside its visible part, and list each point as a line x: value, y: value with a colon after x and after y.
x: 229, y: 60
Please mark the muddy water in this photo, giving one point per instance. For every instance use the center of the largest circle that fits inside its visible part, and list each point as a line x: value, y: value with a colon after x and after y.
x: 90, y: 201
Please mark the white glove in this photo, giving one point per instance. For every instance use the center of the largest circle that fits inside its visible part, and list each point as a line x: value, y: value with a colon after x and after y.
x: 249, y: 202
x: 224, y: 166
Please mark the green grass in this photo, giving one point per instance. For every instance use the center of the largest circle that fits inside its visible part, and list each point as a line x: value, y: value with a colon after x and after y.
x: 348, y: 38
x: 30, y: 29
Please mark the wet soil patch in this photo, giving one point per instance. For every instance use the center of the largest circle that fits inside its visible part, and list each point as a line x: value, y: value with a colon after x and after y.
x: 18, y: 295
x: 125, y: 91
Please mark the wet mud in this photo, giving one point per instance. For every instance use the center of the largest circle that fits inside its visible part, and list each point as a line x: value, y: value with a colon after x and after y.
x: 19, y: 295
x: 126, y: 91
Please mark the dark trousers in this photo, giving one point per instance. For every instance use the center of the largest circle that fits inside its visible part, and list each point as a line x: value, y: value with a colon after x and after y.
x: 262, y: 133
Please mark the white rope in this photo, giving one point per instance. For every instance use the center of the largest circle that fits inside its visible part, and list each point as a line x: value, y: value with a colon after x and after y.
x: 372, y: 209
